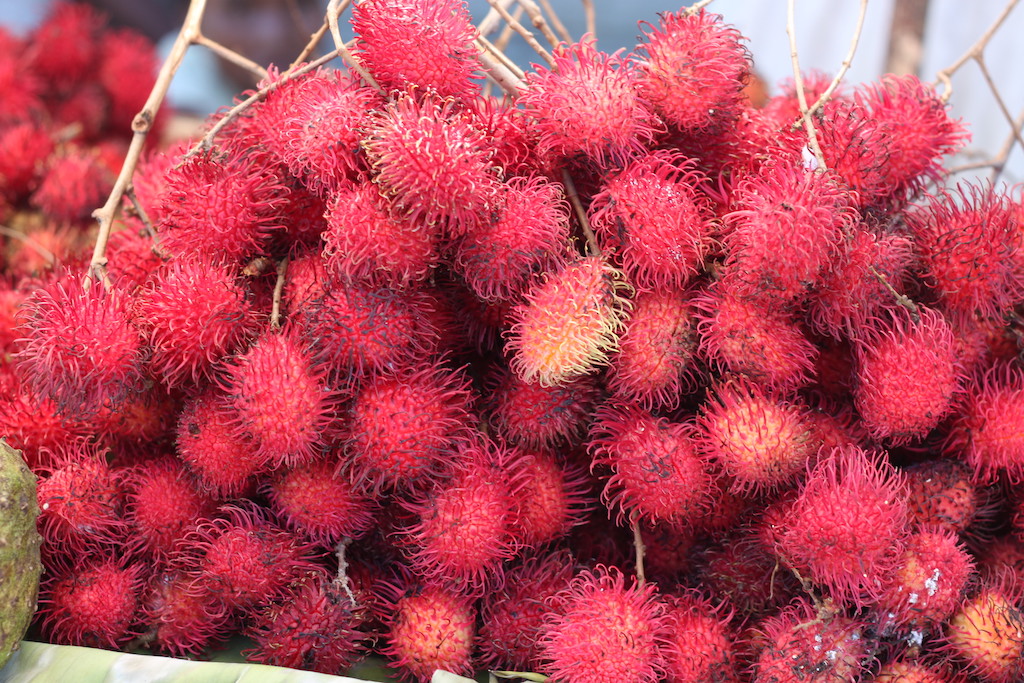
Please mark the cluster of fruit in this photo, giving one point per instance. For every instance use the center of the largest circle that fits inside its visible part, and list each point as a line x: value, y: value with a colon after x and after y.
x: 612, y: 378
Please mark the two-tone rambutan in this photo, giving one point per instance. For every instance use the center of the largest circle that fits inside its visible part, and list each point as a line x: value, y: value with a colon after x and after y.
x: 282, y: 399
x: 569, y: 323
x: 587, y: 104
x: 405, y: 426
x: 163, y: 504
x: 693, y: 68
x: 700, y: 641
x: 193, y: 313
x: 847, y: 529
x: 537, y: 415
x: 418, y: 44
x: 413, y: 142
x: 988, y: 432
x: 365, y: 240
x: 986, y: 634
x: 94, y: 603
x: 657, y: 473
x: 605, y: 630
x: 652, y: 216
x: 80, y: 348
x: 908, y: 375
x: 529, y: 235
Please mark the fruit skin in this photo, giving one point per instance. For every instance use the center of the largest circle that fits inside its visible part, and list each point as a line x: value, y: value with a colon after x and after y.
x: 987, y: 634
x: 701, y: 642
x: 537, y: 415
x: 987, y: 432
x: 20, y: 565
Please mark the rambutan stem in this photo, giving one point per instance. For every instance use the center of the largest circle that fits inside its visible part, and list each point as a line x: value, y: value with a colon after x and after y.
x: 845, y: 66
x: 141, y: 125
x: 129, y: 192
x: 556, y: 22
x: 230, y: 55
x: 341, y: 579
x: 901, y: 299
x: 640, y: 549
x: 335, y: 8
x: 522, y: 31
x: 537, y: 17
x: 798, y: 82
x: 581, y: 214
x: 275, y: 310
x: 506, y: 79
x: 973, y: 52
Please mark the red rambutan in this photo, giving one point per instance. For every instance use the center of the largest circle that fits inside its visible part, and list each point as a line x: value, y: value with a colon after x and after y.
x: 163, y: 505
x: 128, y: 65
x: 24, y: 149
x: 569, y: 323
x: 700, y: 641
x: 988, y: 432
x: 74, y: 183
x: 63, y: 49
x: 942, y: 494
x: 182, y: 621
x: 605, y: 631
x: 431, y: 627
x: 558, y: 498
x: 587, y: 104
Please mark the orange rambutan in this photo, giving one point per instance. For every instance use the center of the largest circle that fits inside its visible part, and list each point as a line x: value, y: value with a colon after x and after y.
x: 652, y: 216
x: 587, y: 104
x: 657, y: 473
x: 986, y: 633
x: 988, y: 430
x: 569, y: 323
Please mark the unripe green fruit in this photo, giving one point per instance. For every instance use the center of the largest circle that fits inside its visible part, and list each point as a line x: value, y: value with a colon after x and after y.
x: 20, y: 566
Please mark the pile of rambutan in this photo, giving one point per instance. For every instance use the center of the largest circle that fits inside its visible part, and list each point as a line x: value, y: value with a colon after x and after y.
x: 605, y: 378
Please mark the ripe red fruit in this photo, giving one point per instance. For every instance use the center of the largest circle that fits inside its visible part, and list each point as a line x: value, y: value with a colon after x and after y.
x: 653, y: 217
x: 558, y: 497
x: 569, y: 323
x: 180, y: 620
x: 431, y: 627
x: 80, y: 348
x: 693, y: 69
x: 968, y: 241
x: 411, y: 142
x: 94, y: 603
x: 315, y: 627
x: 128, y: 66
x: 700, y: 641
x: 24, y: 147
x: 193, y: 313
x: 762, y: 441
x: 987, y: 432
x: 605, y: 631
x: 63, y: 49
x: 219, y: 206
x: 535, y: 415
x: 908, y: 375
x: 365, y: 240
x: 657, y: 474
x: 314, y: 501
x: 942, y: 494
x: 33, y: 424
x: 847, y: 529
x: 986, y: 635
x: 529, y: 234
x: 281, y: 399
x: 587, y: 105
x: 765, y: 344
x: 406, y: 425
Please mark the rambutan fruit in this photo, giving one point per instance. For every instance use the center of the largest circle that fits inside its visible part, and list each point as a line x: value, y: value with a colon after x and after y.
x: 193, y: 313
x: 657, y: 473
x: 569, y: 323
x: 653, y: 217
x: 986, y: 635
x: 784, y: 232
x: 163, y: 505
x: 315, y: 627
x: 465, y: 526
x: 605, y: 630
x: 988, y: 430
x: 908, y: 375
x: 418, y: 44
x: 281, y: 399
x: 693, y: 68
x: 656, y: 359
x: 700, y: 641
x: 536, y: 415
x: 314, y: 501
x: 514, y: 153
x: 128, y: 65
x: 765, y: 344
x: 81, y: 501
x: 968, y: 240
x: 131, y: 256
x: 512, y: 616
x: 94, y: 603
x: 21, y: 89
x: 761, y: 440
x: 63, y: 49
x: 913, y: 671
x: 431, y: 627
x: 801, y: 647
x: 207, y: 442
x: 305, y: 282
x: 558, y: 497
x: 405, y: 426
x: 180, y: 620
x: 929, y: 581
x: 587, y: 104
x: 244, y: 559
x: 412, y: 142
x: 34, y: 425
x: 529, y: 235
x: 847, y: 529
x: 73, y: 185
x: 219, y: 206
x: 855, y: 289
x: 44, y: 248
x: 942, y: 493
x: 356, y: 329
x: 24, y: 149
x: 364, y: 240
x: 784, y: 108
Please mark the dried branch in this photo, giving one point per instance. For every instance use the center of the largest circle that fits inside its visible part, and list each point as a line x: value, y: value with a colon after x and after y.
x: 845, y: 66
x: 697, y: 6
x: 581, y: 214
x: 588, y: 10
x: 334, y: 9
x: 129, y: 192
x: 230, y: 55
x: 490, y: 22
x: 275, y: 310
x: 556, y: 22
x: 491, y: 60
x: 798, y: 82
x: 522, y: 31
x: 901, y: 299
x: 973, y: 52
x: 537, y: 17
x: 141, y: 125
x: 640, y: 549
x: 314, y: 40
x: 1014, y: 127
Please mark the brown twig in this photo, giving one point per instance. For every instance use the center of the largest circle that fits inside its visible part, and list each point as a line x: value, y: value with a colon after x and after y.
x: 275, y: 310
x: 314, y: 40
x: 698, y: 6
x: 334, y: 9
x: 556, y: 22
x: 581, y: 214
x: 522, y: 31
x: 141, y: 126
x: 491, y: 20
x: 537, y: 17
x: 230, y: 55
x: 901, y: 299
x: 999, y: 100
x: 973, y: 52
x: 798, y: 83
x: 588, y: 11
x: 640, y: 549
x: 495, y: 69
x: 845, y: 66
x: 129, y: 192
